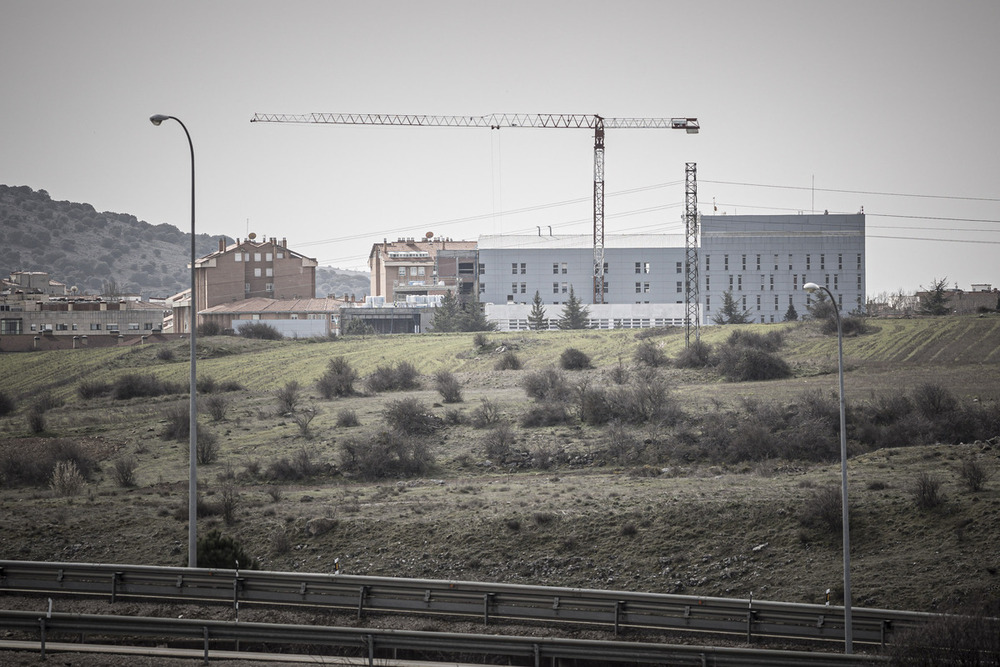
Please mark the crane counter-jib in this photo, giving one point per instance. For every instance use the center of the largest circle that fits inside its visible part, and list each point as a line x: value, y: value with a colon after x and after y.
x: 493, y: 121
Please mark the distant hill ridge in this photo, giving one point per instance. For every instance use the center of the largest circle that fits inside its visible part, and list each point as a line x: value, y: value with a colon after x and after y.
x: 77, y: 245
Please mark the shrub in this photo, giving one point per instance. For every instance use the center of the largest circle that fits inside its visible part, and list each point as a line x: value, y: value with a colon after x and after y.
x: 207, y: 447
x: 823, y: 510
x: 573, y: 359
x: 348, y: 418
x: 7, y: 404
x: 217, y: 407
x: 486, y: 414
x: 205, y: 384
x: 401, y: 377
x: 135, y: 385
x: 696, y: 355
x: 482, y: 342
x: 508, y: 361
x: 750, y: 364
x: 769, y: 342
x: 448, y: 386
x: 934, y: 401
x: 260, y: 330
x: 546, y: 385
x: 303, y: 418
x: 299, y: 467
x: 165, y: 354
x: 209, y: 329
x: 33, y: 466
x: 289, y: 397
x: 123, y: 471
x: 974, y: 474
x: 927, y: 491
x: 966, y: 636
x: 498, y: 442
x: 623, y: 447
x: 229, y: 502
x: 177, y: 423
x: 66, y: 480
x: 619, y: 374
x: 216, y: 550
x: 35, y: 420
x: 546, y: 413
x: 386, y: 454
x: 338, y: 379
x: 88, y: 389
x: 648, y: 353
x: 410, y: 416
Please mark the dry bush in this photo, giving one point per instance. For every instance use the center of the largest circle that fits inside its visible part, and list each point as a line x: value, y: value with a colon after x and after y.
x: 229, y: 502
x: 217, y: 406
x: 66, y: 480
x: 304, y: 417
x: 289, y: 397
x: 90, y: 389
x: 165, y: 354
x: 748, y: 364
x: 934, y: 401
x: 207, y: 447
x: 696, y: 355
x: 448, y: 386
x: 487, y: 414
x: 300, y: 466
x: 33, y: 466
x: 648, y: 353
x: 260, y: 330
x: 927, y: 491
x: 348, y: 418
x: 974, y: 474
x: 824, y: 510
x: 7, y: 404
x: 546, y: 385
x: 123, y: 471
x: 408, y: 415
x: 508, y: 361
x: 35, y: 420
x: 968, y: 636
x: 401, y: 377
x: 338, y: 379
x: 623, y: 446
x: 135, y: 385
x: 386, y: 454
x: 281, y: 541
x: 573, y: 359
x: 498, y: 442
x: 548, y: 413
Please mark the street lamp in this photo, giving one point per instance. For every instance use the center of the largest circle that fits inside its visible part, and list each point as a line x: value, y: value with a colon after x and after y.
x: 193, y: 424
x: 848, y: 631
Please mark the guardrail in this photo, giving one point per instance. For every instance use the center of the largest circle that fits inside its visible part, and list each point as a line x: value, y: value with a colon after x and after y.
x: 380, y: 644
x: 616, y: 610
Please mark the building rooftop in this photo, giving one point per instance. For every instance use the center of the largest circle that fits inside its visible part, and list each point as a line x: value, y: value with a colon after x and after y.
x: 579, y: 241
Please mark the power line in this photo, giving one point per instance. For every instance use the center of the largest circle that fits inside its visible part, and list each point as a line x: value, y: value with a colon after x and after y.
x: 854, y: 192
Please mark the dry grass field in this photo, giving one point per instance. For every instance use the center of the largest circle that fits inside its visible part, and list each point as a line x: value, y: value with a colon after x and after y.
x: 652, y: 505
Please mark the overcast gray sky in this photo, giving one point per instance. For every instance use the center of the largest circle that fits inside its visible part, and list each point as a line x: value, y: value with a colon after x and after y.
x: 888, y: 105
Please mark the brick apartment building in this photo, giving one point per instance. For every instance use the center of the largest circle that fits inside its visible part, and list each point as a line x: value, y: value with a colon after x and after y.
x: 422, y: 267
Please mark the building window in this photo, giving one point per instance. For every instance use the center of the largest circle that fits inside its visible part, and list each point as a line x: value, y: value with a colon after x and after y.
x: 555, y: 267
x: 74, y: 326
x: 680, y: 267
x: 565, y: 288
x: 268, y: 257
x: 836, y: 276
x: 524, y: 288
x: 513, y: 288
x: 513, y: 268
x: 758, y: 302
x: 402, y: 272
x: 645, y: 287
x: 775, y: 262
x: 772, y: 282
x: 268, y: 287
x: 859, y: 282
x: 789, y: 262
x: 147, y: 326
x: 725, y: 262
x: 555, y: 288
x: 680, y: 286
x: 776, y: 302
x: 708, y: 282
x: 524, y: 268
x: 822, y: 261
x: 238, y: 256
x: 94, y: 326
x: 840, y: 260
x: 708, y: 303
x: 132, y: 326
x: 564, y: 268
x: 744, y: 301
x: 269, y: 272
x: 510, y: 298
x: 808, y: 263
x: 281, y: 255
x: 256, y: 257
x: 859, y: 261
x: 482, y: 269
x: 758, y: 263
x: 730, y: 282
x: 762, y: 282
x: 256, y: 273
x: 708, y: 262
x: 246, y: 287
x: 638, y: 288
x: 826, y: 281
x: 744, y: 262
x: 739, y: 284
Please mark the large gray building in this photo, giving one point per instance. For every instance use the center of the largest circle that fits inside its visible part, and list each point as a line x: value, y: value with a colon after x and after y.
x: 763, y: 259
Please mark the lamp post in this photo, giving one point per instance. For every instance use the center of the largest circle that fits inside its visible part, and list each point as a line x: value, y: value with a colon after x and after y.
x: 848, y: 630
x: 193, y: 424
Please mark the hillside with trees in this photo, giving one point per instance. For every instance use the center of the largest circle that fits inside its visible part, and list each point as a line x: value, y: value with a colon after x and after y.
x: 80, y: 246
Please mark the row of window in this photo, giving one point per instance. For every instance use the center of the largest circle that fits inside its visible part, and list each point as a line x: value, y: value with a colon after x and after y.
x: 756, y: 261
x: 736, y: 282
x: 563, y: 267
x: 761, y: 302
x: 94, y: 326
x: 267, y: 257
x: 268, y: 287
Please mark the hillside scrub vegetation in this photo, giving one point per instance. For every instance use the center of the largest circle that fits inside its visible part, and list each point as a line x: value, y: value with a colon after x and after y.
x: 537, y: 475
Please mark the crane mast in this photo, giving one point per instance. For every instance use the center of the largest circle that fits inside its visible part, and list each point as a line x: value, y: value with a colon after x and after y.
x: 498, y: 121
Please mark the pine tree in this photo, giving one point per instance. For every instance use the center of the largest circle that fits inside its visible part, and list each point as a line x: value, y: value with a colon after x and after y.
x: 791, y: 315
x: 574, y: 315
x: 473, y: 317
x: 935, y: 303
x: 536, y: 318
x: 447, y: 315
x: 730, y: 313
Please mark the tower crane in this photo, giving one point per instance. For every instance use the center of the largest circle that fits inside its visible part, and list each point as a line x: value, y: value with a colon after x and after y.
x: 497, y: 121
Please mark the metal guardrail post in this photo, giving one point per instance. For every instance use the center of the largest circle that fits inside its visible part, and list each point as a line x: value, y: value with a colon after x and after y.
x: 41, y: 623
x: 619, y: 607
x: 361, y: 600
x: 370, y: 640
x: 114, y: 586
x: 751, y: 615
x: 204, y: 632
x: 487, y: 597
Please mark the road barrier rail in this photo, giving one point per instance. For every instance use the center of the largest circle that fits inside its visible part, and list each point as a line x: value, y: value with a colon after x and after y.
x: 377, y: 645
x: 490, y: 602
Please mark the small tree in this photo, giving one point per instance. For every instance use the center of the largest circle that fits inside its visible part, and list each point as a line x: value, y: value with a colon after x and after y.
x: 221, y: 551
x: 448, y: 313
x: 791, y: 315
x: 574, y: 314
x: 536, y: 318
x: 935, y: 301
x: 731, y: 312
